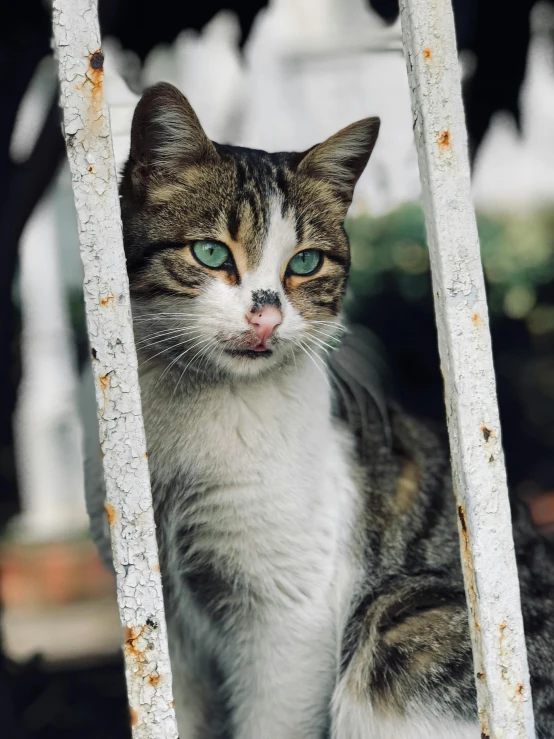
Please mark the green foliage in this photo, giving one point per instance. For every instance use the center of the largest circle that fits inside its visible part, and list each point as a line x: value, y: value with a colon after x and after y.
x: 390, y: 252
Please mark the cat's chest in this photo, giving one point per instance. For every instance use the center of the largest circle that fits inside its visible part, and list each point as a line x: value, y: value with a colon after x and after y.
x: 233, y: 437
x: 256, y: 482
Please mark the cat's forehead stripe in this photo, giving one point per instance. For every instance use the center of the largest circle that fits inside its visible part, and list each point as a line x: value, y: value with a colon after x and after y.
x: 258, y: 181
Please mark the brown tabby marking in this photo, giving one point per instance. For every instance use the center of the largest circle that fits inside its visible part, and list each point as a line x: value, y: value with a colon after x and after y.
x: 179, y: 187
x: 407, y: 486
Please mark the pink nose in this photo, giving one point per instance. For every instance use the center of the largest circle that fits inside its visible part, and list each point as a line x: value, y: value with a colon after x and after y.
x: 265, y: 321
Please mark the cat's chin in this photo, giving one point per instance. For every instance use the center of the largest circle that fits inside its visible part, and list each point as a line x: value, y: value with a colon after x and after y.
x: 251, y: 363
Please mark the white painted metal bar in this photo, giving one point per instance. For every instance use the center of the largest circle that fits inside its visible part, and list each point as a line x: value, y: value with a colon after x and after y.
x: 129, y: 500
x: 487, y: 549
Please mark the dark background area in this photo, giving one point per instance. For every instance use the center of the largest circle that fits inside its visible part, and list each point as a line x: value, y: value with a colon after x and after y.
x: 89, y: 701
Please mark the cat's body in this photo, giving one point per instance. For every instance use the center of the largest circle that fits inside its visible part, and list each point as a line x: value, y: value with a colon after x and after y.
x: 307, y: 529
x: 265, y: 570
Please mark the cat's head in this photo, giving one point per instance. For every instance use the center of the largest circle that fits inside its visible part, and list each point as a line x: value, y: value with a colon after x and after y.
x: 237, y: 258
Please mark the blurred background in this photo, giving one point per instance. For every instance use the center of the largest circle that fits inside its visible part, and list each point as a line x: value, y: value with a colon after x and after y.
x: 279, y: 75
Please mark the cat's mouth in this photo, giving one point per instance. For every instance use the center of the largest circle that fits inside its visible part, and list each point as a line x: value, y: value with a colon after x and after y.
x: 258, y: 351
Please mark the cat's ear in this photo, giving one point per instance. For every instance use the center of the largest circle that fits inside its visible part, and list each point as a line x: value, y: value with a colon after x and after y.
x: 342, y: 158
x: 166, y: 133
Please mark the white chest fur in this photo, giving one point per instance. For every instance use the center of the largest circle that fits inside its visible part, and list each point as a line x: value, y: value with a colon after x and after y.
x: 268, y: 486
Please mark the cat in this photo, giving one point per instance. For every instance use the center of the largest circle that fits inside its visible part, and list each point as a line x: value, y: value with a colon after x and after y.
x: 307, y: 526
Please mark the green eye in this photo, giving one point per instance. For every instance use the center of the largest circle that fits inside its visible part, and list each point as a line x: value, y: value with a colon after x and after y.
x: 211, y: 253
x: 305, y: 262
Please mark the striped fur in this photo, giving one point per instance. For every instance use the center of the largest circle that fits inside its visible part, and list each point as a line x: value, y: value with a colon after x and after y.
x: 307, y: 531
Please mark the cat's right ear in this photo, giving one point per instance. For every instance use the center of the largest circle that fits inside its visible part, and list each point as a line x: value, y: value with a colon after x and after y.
x: 166, y: 133
x: 341, y: 159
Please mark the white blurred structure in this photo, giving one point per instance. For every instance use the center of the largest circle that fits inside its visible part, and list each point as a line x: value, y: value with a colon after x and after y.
x: 310, y: 67
x: 47, y: 423
x: 313, y: 66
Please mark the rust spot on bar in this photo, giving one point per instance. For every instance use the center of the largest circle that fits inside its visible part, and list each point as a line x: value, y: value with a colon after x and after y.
x: 139, y: 640
x: 444, y: 139
x: 519, y: 689
x: 105, y: 381
x: 487, y: 433
x: 476, y: 318
x: 97, y: 60
x: 484, y: 735
x: 95, y: 72
x: 134, y: 716
x: 110, y: 510
x: 107, y: 300
x: 145, y: 455
x: 461, y: 516
x: 156, y: 568
x: 91, y: 168
x: 92, y: 87
x: 481, y: 676
x: 132, y: 648
x: 467, y: 561
x: 154, y: 680
x: 427, y: 53
x: 503, y: 625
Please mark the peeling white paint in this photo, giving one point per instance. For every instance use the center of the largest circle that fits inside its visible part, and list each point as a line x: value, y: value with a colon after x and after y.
x: 491, y: 580
x: 129, y: 500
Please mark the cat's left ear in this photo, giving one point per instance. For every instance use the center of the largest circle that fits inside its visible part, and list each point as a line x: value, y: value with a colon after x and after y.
x: 341, y: 159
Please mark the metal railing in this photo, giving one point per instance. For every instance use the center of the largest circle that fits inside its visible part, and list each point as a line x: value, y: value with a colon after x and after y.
x: 487, y: 551
x: 484, y: 521
x: 114, y: 361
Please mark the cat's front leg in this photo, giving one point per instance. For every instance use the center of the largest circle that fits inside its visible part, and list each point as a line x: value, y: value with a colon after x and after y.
x: 188, y: 701
x: 281, y: 683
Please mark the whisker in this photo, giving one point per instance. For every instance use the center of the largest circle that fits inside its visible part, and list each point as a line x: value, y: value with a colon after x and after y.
x: 188, y: 349
x: 316, y: 356
x: 157, y: 343
x: 319, y: 342
x: 167, y: 349
x: 199, y: 352
x: 166, y: 334
x: 327, y: 334
x: 209, y: 355
x: 165, y: 316
x: 335, y: 324
x: 304, y: 349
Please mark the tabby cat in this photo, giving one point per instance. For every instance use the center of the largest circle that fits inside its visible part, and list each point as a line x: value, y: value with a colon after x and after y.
x: 307, y: 527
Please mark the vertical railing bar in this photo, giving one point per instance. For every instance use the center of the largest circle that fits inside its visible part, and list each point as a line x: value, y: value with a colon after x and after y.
x: 129, y: 500
x: 487, y: 549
